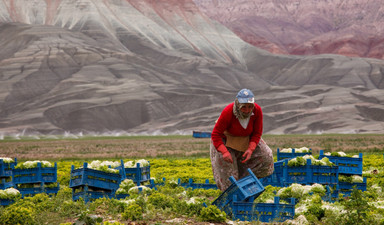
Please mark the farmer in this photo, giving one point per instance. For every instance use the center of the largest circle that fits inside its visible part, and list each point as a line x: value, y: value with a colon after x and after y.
x: 236, y: 143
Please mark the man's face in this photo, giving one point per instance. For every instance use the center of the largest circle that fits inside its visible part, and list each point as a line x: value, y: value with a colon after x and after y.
x: 246, y: 109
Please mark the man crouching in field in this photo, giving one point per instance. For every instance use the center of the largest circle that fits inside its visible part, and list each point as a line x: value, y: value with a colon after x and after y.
x: 236, y: 142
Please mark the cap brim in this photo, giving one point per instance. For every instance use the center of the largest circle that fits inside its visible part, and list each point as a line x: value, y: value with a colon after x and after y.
x: 246, y: 100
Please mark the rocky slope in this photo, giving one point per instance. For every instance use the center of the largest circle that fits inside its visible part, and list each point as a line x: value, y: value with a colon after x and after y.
x: 302, y: 27
x: 149, y: 66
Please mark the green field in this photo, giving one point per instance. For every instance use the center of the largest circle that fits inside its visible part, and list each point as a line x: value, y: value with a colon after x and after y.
x: 180, y: 157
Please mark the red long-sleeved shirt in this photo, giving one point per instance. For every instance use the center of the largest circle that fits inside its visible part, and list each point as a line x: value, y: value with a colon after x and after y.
x: 228, y: 122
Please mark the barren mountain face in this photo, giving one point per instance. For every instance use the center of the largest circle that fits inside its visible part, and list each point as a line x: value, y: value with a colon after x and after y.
x: 302, y: 27
x: 148, y: 66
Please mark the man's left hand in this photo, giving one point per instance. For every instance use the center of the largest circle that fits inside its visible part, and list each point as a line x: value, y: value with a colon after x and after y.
x: 247, y: 155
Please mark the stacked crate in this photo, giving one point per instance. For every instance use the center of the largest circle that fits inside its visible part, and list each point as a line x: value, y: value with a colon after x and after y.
x: 33, y: 181
x: 6, y: 179
x: 346, y: 188
x: 90, y: 184
x: 139, y: 175
x: 276, y: 178
x: 285, y: 175
x: 348, y: 166
x: 309, y: 174
x: 6, y: 174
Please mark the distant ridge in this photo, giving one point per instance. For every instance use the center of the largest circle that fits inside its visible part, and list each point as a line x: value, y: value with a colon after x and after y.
x: 351, y: 28
x: 164, y: 67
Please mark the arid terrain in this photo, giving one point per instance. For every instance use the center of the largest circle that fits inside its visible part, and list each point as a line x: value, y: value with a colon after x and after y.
x: 299, y: 27
x: 144, y: 66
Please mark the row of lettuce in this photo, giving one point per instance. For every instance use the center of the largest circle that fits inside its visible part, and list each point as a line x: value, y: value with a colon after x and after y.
x: 199, y: 170
x: 128, y: 184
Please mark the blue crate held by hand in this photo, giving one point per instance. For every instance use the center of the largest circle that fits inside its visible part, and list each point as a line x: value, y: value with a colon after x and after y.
x: 94, y: 178
x: 35, y: 175
x: 289, y: 155
x: 310, y: 174
x: 137, y: 174
x: 347, y: 165
x: 7, y: 168
x: 244, y: 189
x: 264, y: 212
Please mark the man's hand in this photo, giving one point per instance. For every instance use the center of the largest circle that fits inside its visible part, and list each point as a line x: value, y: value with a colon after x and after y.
x: 247, y: 154
x: 227, y: 157
x: 226, y: 154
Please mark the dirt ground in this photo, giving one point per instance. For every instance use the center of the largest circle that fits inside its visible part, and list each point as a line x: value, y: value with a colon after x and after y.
x: 172, y: 146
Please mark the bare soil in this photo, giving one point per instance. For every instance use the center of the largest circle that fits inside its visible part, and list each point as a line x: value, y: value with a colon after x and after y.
x: 173, y: 146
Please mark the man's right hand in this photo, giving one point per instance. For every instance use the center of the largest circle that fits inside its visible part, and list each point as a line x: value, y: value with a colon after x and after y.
x: 227, y: 157
x: 226, y: 154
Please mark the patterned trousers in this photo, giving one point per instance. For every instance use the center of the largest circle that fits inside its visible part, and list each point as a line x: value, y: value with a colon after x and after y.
x: 261, y: 164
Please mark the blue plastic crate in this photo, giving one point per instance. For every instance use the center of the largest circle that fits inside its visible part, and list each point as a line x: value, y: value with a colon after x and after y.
x: 346, y: 188
x: 347, y: 165
x: 331, y: 195
x: 137, y: 174
x: 94, y: 178
x: 154, y: 185
x: 52, y: 190
x: 90, y: 195
x: 121, y: 196
x: 244, y: 189
x: 201, y: 134
x: 310, y: 174
x: 289, y: 155
x: 7, y: 168
x: 35, y: 175
x: 6, y: 202
x: 30, y: 191
x: 4, y: 184
x: 264, y: 212
x: 275, y: 179
x: 193, y: 185
x: 38, y: 189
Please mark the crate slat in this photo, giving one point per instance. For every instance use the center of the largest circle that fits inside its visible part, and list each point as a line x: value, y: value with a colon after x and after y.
x: 289, y: 155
